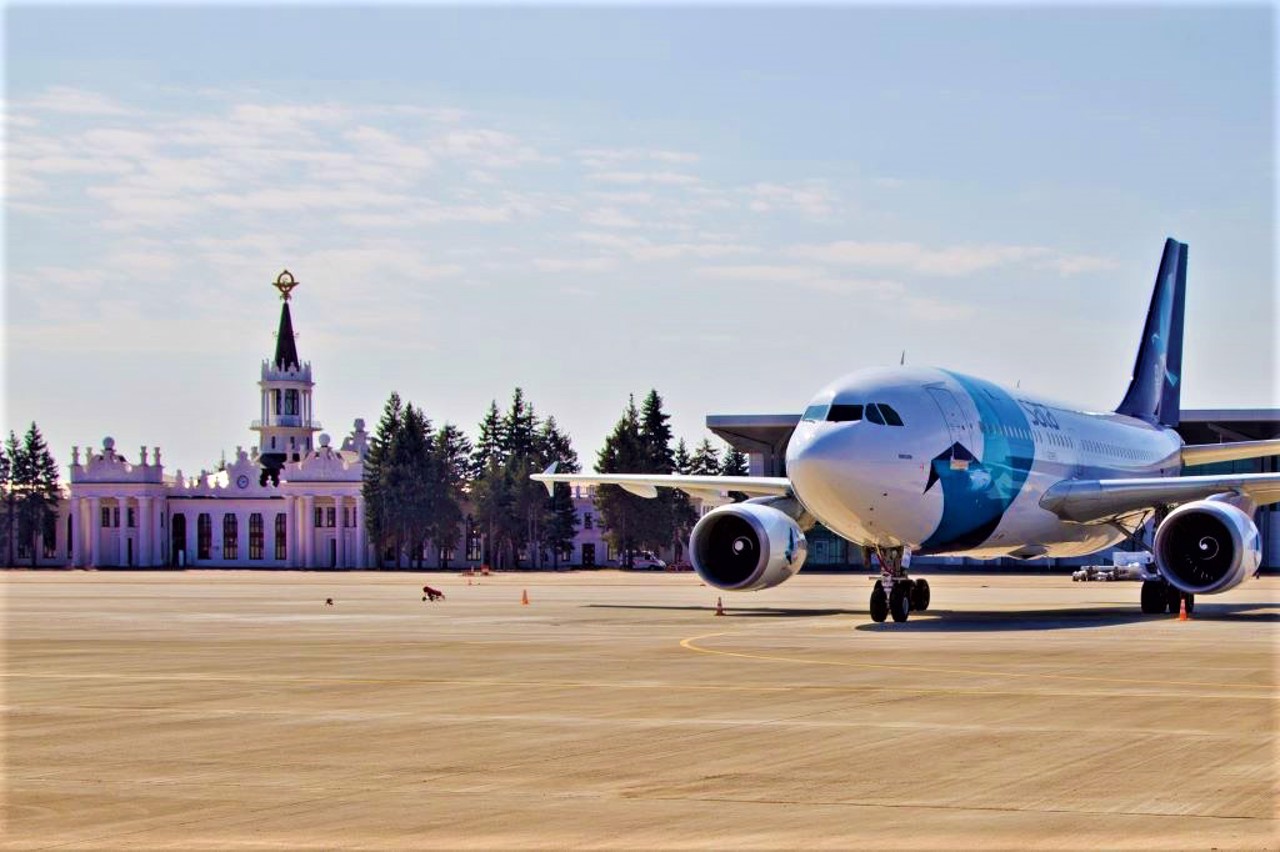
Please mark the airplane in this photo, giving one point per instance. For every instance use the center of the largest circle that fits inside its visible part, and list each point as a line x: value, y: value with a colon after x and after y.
x: 905, y: 460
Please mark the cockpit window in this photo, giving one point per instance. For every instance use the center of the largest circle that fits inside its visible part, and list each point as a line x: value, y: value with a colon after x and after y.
x: 845, y: 413
x: 873, y: 414
x: 816, y: 412
x: 890, y: 416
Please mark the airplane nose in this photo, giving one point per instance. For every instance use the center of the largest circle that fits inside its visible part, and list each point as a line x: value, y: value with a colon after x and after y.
x: 818, y: 459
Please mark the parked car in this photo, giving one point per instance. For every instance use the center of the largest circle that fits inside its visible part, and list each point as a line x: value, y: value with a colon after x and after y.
x: 641, y: 560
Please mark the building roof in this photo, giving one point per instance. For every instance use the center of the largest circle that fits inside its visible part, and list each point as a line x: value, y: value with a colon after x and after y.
x: 768, y: 434
x: 286, y: 349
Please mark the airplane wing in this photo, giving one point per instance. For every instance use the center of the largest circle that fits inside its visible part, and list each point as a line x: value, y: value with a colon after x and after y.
x: 1210, y: 453
x: 710, y: 488
x: 1091, y: 500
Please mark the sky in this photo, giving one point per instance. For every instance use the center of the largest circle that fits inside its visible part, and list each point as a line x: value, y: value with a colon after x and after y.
x: 733, y: 205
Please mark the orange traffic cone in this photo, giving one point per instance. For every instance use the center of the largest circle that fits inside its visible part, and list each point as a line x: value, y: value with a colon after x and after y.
x: 719, y: 607
x: 1182, y: 609
x: 524, y: 598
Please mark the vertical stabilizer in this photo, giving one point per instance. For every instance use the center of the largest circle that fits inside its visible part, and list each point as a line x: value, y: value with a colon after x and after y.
x: 1154, y: 391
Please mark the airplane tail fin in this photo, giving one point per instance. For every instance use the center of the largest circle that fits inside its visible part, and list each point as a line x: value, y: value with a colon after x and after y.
x: 1155, y: 389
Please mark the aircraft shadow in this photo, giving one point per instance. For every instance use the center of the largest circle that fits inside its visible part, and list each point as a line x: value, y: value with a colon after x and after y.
x: 737, y: 611
x: 963, y: 621
x: 966, y: 621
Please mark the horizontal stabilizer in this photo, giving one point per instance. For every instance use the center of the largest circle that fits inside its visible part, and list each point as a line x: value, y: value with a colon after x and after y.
x: 1087, y: 501
x: 1210, y: 453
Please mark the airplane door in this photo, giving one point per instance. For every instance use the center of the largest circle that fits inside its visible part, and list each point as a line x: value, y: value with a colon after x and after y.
x: 957, y: 423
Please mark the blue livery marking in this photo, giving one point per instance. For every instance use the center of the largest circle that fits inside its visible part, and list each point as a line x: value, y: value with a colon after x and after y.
x: 977, y: 492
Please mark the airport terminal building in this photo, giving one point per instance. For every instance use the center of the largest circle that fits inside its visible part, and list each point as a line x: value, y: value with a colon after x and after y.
x: 764, y: 437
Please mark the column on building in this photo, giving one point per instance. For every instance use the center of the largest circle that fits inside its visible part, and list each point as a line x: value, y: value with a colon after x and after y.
x: 77, y: 532
x: 362, y: 547
x: 309, y: 533
x: 95, y: 531
x: 146, y: 533
x: 340, y: 530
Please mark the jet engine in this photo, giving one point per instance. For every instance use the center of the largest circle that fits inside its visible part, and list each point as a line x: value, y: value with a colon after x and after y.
x: 1207, y: 547
x: 746, y: 546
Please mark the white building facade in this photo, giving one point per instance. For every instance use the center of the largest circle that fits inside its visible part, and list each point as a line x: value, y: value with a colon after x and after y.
x: 292, y: 501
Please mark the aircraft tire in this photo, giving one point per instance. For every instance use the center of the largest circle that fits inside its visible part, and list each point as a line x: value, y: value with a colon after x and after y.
x: 1153, y: 597
x: 900, y: 602
x: 1173, y: 599
x: 879, y: 604
x: 919, y: 595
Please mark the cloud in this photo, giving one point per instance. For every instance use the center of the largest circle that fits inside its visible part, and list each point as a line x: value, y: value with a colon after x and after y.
x: 951, y: 261
x: 490, y: 149
x: 661, y: 178
x: 79, y: 102
x: 763, y: 273
x: 580, y: 264
x: 597, y: 158
x: 810, y: 198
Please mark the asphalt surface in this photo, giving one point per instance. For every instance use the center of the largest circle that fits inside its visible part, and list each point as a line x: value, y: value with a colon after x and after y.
x: 237, y: 710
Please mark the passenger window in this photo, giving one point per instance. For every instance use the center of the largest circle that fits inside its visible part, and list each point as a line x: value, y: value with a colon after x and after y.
x: 816, y: 412
x: 845, y: 413
x: 890, y: 416
x: 873, y: 414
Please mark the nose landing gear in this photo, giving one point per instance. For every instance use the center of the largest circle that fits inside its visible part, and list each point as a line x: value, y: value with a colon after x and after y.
x: 896, y: 594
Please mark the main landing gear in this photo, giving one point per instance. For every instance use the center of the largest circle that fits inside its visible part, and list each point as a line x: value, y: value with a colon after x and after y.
x: 896, y: 594
x: 1159, y: 596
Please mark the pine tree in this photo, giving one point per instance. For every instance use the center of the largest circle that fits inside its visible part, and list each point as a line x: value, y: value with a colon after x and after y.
x: 562, y: 518
x: 450, y: 463
x: 622, y: 513
x: 658, y: 514
x: 375, y: 460
x: 734, y: 463
x: 705, y: 460
x: 489, y: 447
x: 9, y: 495
x: 36, y: 478
x: 405, y: 482
x: 519, y: 427
x: 683, y: 513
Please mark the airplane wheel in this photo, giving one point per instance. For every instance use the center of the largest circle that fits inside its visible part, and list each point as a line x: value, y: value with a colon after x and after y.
x: 879, y: 604
x: 1191, y: 604
x: 1173, y: 599
x: 1153, y: 597
x: 919, y: 595
x: 900, y: 602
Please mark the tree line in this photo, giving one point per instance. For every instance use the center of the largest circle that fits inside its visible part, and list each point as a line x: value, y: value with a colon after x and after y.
x: 29, y: 494
x: 429, y: 487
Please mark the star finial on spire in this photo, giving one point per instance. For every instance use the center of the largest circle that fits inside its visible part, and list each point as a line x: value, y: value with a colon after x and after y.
x: 285, y: 282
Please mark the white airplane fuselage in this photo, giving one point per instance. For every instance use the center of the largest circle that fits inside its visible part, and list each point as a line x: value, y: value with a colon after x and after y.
x: 965, y: 471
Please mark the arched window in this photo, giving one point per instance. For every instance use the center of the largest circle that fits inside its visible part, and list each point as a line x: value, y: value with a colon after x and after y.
x: 281, y: 540
x: 291, y: 401
x: 255, y: 536
x: 230, y: 537
x: 204, y: 536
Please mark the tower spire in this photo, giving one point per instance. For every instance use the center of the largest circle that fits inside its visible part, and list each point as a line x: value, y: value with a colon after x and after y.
x: 286, y: 349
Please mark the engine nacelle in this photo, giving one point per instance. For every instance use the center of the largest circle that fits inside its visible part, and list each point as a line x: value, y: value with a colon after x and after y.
x: 1206, y: 547
x: 746, y: 546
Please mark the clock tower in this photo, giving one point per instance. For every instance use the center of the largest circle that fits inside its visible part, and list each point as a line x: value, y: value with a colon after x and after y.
x: 286, y: 427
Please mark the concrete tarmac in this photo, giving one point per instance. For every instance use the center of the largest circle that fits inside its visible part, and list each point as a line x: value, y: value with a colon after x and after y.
x: 236, y: 710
